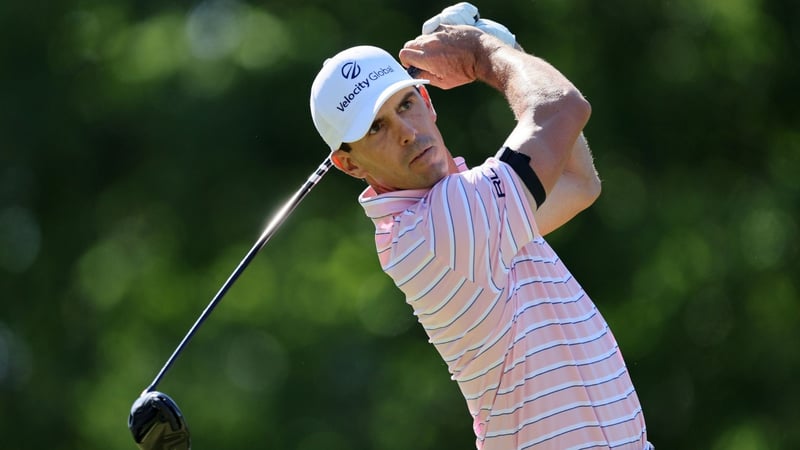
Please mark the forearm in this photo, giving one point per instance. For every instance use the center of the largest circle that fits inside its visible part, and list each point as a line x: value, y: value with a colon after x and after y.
x: 579, y: 172
x: 534, y: 89
x: 549, y: 109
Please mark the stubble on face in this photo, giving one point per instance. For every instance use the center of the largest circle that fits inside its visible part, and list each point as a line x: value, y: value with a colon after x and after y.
x: 407, y: 151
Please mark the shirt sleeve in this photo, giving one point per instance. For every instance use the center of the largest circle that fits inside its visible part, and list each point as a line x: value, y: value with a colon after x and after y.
x: 481, y: 218
x: 521, y: 163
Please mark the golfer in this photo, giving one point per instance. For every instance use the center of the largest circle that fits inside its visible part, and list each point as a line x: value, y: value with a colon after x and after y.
x: 535, y: 360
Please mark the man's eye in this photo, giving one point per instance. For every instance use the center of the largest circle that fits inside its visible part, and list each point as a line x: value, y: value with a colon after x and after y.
x: 405, y: 105
x: 375, y: 128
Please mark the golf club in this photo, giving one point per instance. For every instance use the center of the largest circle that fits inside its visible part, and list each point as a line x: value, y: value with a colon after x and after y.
x: 155, y: 420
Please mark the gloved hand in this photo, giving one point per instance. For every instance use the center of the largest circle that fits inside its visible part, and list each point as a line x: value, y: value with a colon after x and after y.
x: 467, y: 14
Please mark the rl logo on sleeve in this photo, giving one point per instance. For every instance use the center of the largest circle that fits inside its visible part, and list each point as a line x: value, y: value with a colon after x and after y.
x: 497, y: 183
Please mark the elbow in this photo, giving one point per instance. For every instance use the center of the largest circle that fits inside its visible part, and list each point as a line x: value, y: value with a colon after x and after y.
x: 571, y: 108
x: 591, y: 187
x: 580, y: 111
x: 592, y: 190
x: 587, y: 188
x: 566, y: 117
x: 587, y: 110
x: 587, y: 193
x: 579, y: 108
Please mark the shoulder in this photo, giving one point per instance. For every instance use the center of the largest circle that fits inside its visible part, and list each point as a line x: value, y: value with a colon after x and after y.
x: 493, y: 178
x: 487, y: 193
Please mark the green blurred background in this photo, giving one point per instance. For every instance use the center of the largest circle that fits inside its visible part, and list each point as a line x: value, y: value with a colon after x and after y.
x: 144, y: 145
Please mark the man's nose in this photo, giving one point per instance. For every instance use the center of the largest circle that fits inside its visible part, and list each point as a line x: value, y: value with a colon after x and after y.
x: 407, y: 132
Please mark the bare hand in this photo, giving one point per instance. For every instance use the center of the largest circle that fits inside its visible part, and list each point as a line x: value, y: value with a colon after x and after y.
x: 448, y: 57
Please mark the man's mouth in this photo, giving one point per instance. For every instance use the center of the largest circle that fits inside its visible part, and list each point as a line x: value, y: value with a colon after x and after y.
x: 420, y: 155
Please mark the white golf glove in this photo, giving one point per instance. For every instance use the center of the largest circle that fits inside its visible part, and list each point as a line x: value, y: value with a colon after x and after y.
x: 467, y: 14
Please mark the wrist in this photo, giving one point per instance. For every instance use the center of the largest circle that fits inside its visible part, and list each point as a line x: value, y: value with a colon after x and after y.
x: 489, y: 60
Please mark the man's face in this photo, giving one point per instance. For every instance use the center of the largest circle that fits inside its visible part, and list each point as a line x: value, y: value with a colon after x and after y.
x: 403, y: 148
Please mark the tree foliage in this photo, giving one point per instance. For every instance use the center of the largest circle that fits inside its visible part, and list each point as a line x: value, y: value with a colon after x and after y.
x: 144, y: 144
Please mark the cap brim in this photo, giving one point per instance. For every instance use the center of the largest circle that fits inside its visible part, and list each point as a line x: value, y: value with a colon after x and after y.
x: 365, y: 118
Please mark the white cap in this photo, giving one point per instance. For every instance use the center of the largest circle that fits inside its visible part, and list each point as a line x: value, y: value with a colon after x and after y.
x: 351, y: 88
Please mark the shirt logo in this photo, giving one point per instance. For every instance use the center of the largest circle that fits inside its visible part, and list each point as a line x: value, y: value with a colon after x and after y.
x: 497, y: 183
x: 351, y: 70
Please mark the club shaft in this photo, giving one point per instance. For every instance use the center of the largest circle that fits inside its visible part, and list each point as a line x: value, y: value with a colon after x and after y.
x: 277, y: 219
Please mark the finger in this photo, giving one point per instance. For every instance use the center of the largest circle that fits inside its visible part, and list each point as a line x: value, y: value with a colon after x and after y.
x: 421, y: 74
x: 419, y: 42
x: 415, y: 61
x: 410, y: 57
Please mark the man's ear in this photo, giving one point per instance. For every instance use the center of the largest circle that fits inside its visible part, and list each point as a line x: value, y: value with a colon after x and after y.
x: 427, y: 97
x: 344, y: 161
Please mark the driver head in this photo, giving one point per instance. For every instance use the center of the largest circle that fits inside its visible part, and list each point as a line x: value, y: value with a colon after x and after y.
x: 157, y: 424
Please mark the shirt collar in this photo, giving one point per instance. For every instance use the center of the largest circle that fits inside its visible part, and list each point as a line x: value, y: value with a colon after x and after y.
x: 390, y: 203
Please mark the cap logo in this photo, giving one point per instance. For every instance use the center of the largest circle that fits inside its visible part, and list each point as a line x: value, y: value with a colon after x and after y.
x: 351, y: 70
x: 350, y: 89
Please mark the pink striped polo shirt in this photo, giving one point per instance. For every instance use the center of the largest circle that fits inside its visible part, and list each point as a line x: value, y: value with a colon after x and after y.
x: 536, y: 362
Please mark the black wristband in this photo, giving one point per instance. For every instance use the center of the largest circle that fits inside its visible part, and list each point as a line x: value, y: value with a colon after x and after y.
x: 521, y: 163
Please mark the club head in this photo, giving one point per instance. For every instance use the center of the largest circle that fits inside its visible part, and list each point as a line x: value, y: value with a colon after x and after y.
x: 156, y: 423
